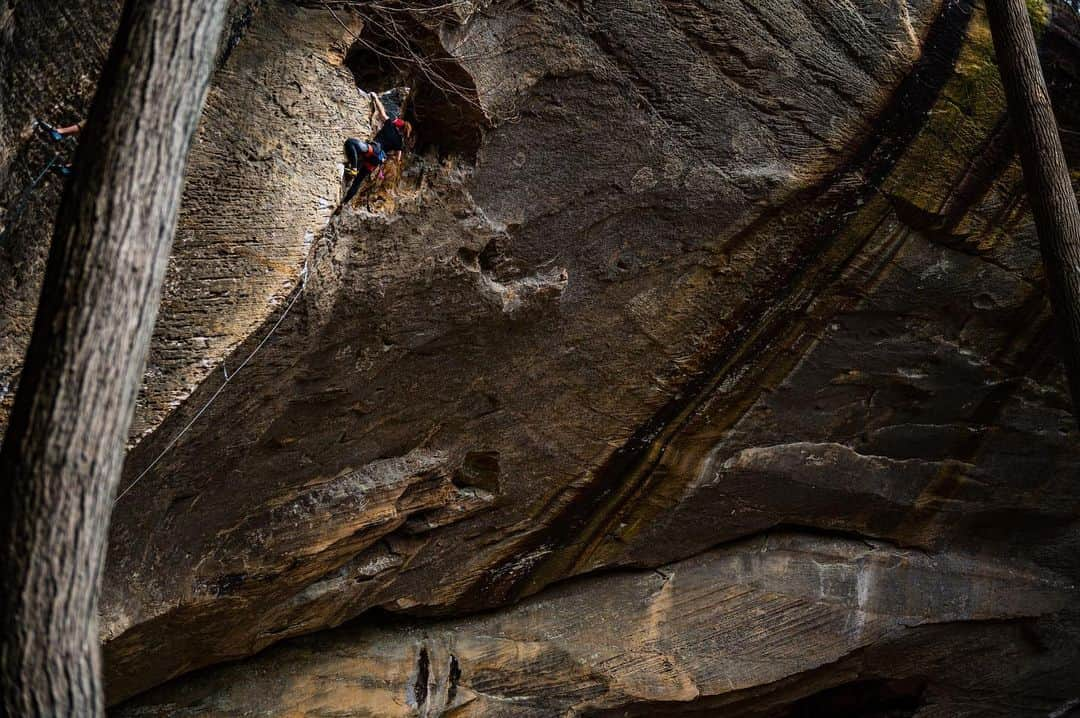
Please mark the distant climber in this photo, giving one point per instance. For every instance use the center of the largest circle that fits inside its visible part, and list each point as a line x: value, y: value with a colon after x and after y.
x: 366, y: 157
x: 55, y: 164
x: 58, y: 134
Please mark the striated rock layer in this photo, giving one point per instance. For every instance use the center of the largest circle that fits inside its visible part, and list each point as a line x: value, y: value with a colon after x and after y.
x: 713, y: 270
x: 716, y: 625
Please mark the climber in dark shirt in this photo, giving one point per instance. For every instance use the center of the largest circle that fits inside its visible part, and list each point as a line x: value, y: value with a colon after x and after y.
x: 394, y: 132
x: 366, y: 157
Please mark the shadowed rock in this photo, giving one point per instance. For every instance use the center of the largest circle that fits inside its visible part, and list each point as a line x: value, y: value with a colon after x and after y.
x: 711, y: 626
x: 678, y: 273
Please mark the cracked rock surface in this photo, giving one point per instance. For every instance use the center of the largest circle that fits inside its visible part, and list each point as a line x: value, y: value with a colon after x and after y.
x: 717, y: 377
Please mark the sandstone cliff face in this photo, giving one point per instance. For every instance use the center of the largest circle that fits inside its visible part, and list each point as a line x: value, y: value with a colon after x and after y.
x: 262, y: 181
x: 736, y: 306
x: 701, y: 633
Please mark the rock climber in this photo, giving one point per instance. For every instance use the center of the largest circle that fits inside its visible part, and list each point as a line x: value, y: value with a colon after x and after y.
x: 58, y: 134
x: 394, y: 132
x: 56, y: 164
x: 366, y: 157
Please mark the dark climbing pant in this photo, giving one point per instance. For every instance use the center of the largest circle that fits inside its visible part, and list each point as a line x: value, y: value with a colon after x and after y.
x: 357, y: 154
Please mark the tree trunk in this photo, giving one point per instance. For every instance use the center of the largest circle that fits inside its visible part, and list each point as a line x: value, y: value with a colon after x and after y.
x: 1050, y: 193
x: 64, y: 447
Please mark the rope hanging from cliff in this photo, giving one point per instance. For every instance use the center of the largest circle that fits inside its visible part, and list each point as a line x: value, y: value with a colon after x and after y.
x: 24, y: 197
x: 228, y: 378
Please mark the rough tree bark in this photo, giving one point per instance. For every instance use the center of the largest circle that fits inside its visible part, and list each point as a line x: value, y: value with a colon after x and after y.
x: 63, y: 451
x: 1046, y: 175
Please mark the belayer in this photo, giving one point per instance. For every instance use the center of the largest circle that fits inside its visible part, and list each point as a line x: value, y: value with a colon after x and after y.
x: 366, y: 157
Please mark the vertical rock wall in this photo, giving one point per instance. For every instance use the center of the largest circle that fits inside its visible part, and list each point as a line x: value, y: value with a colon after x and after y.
x: 264, y: 177
x: 50, y: 58
x: 743, y: 292
x: 642, y: 338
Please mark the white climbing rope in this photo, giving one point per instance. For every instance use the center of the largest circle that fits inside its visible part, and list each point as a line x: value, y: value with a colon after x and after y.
x: 228, y: 378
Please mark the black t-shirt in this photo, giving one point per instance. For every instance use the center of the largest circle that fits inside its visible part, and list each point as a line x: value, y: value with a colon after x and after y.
x: 390, y: 137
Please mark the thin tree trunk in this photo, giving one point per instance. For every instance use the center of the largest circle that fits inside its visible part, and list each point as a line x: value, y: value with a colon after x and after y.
x: 64, y: 446
x: 1046, y: 175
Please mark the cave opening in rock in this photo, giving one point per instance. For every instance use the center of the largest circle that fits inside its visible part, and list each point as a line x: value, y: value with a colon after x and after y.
x: 443, y: 104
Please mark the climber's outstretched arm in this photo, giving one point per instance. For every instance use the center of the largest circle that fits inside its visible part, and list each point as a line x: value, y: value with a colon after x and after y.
x: 381, y: 115
x: 71, y: 129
